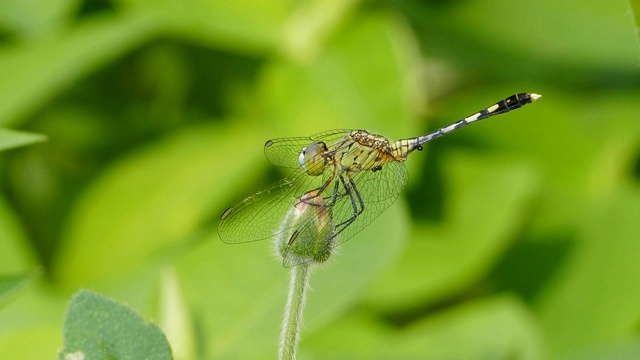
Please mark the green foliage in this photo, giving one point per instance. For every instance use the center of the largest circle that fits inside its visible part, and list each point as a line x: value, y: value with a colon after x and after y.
x: 515, y: 238
x: 98, y: 328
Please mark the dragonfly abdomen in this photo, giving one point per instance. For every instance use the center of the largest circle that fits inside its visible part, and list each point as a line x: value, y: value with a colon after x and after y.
x: 401, y: 148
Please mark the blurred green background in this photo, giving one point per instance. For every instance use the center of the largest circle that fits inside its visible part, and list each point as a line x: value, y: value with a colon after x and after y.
x: 516, y: 238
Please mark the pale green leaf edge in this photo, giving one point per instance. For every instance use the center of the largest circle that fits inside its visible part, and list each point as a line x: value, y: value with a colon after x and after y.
x: 10, y: 139
x: 10, y: 285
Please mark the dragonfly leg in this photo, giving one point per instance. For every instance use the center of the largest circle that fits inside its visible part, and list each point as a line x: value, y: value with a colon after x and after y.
x: 334, y: 197
x: 357, y: 204
x: 353, y: 187
x: 319, y: 192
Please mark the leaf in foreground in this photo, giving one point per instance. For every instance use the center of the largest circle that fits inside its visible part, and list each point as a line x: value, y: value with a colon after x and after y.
x: 99, y: 328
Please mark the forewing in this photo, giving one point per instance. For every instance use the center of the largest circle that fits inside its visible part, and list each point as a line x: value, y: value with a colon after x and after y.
x: 285, y: 151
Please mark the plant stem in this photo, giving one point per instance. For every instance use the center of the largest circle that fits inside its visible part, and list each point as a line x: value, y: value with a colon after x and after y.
x: 293, y: 312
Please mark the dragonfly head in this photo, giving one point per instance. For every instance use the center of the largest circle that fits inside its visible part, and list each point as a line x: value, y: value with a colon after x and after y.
x: 311, y: 158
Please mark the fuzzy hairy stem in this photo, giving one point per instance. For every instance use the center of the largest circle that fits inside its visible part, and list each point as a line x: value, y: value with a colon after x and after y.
x: 293, y: 312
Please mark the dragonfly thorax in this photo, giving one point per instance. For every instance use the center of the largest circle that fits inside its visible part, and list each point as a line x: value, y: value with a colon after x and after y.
x: 366, y: 151
x: 373, y: 141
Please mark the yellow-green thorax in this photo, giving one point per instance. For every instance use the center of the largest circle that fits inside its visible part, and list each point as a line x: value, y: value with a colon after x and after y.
x: 359, y: 150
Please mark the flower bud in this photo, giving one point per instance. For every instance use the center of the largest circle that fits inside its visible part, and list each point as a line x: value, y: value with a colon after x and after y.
x: 306, y: 233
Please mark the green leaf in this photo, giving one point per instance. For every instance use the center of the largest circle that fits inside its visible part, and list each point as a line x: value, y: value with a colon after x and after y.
x: 35, y: 18
x: 355, y: 335
x: 10, y: 285
x: 34, y: 73
x: 244, y: 25
x: 457, y: 333
x: 592, y: 301
x: 336, y: 89
x: 99, y: 328
x: 154, y: 200
x: 16, y: 256
x: 612, y: 45
x: 12, y: 138
x: 501, y: 327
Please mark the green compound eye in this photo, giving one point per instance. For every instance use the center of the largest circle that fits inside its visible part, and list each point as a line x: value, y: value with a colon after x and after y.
x: 311, y: 158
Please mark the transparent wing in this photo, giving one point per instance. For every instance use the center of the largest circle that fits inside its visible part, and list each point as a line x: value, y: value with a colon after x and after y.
x: 377, y: 190
x: 260, y: 215
x: 285, y: 151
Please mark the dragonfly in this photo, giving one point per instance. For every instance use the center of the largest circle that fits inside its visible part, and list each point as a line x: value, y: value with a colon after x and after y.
x: 341, y: 181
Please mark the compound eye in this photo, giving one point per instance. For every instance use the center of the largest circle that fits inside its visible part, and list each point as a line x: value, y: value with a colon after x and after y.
x: 301, y: 157
x: 311, y: 158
